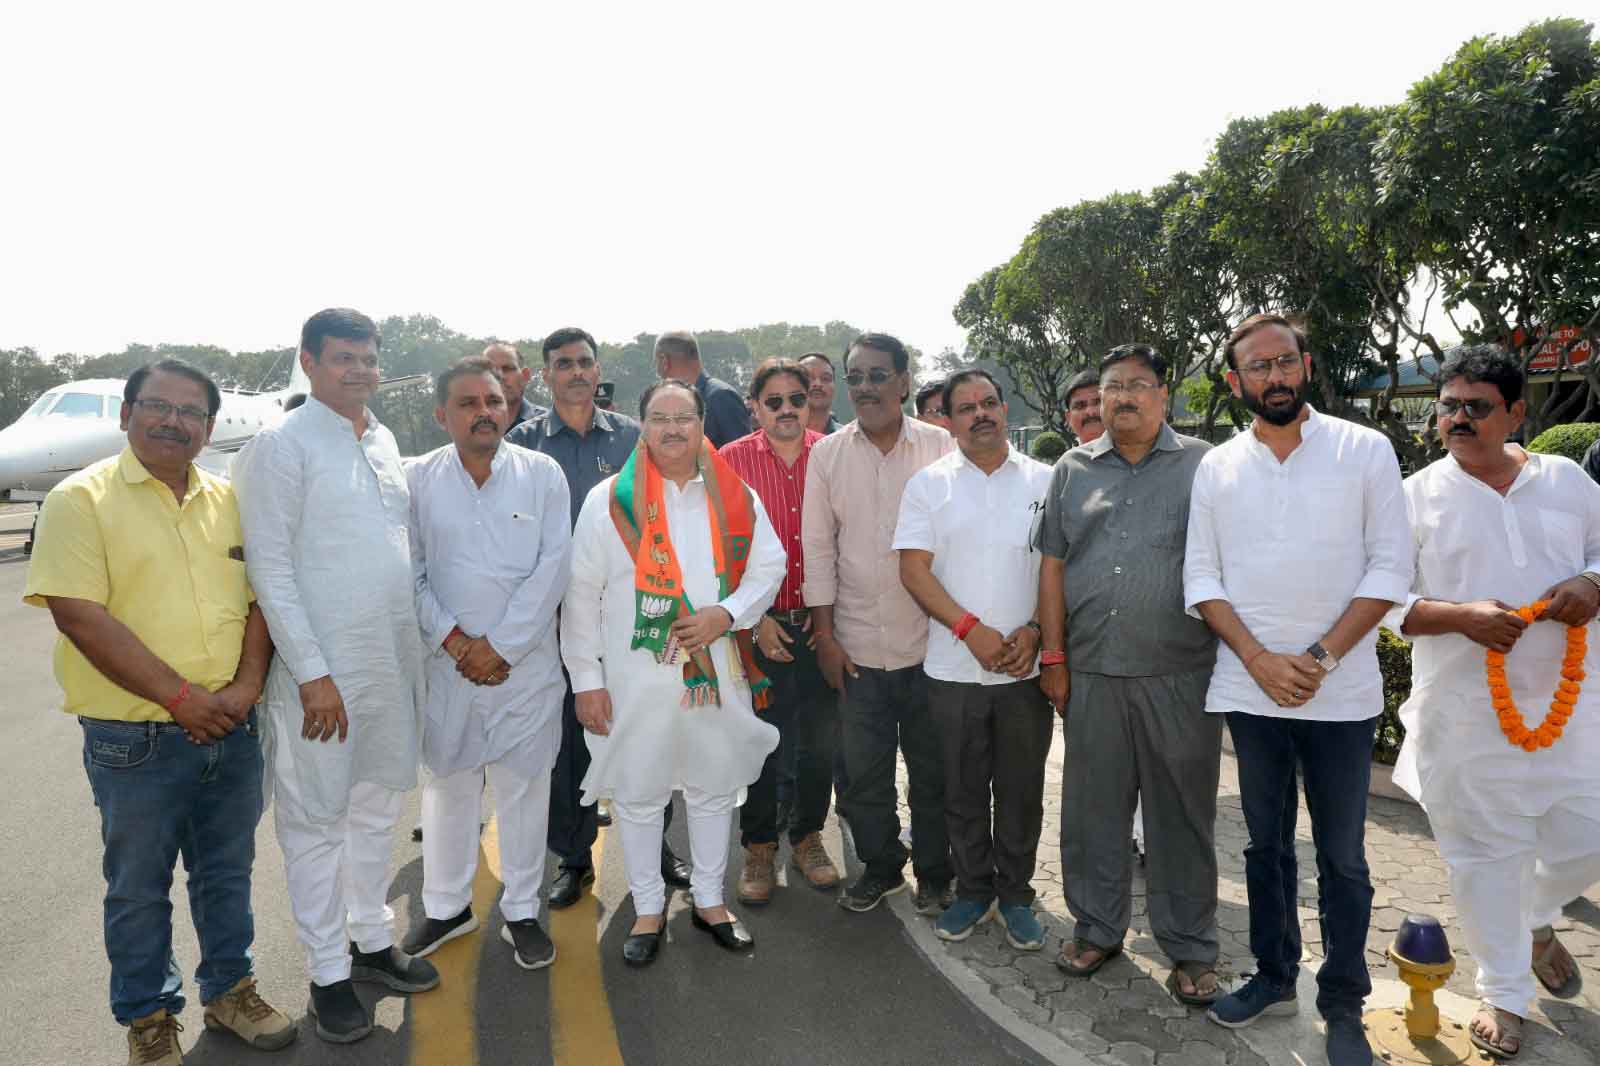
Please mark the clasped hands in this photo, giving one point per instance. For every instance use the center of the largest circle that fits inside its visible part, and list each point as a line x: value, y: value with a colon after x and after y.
x: 205, y: 716
x: 1291, y: 680
x: 1012, y: 654
x: 476, y: 659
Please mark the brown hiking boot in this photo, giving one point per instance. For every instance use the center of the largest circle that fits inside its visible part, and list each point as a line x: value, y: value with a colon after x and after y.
x: 758, y: 877
x: 242, y: 1012
x: 811, y: 859
x: 153, y: 1041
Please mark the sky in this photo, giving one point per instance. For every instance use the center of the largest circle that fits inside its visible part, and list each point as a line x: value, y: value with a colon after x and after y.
x: 214, y: 173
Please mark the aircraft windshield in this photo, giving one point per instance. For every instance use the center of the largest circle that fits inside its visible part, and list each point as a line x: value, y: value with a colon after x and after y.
x: 40, y: 404
x: 78, y: 405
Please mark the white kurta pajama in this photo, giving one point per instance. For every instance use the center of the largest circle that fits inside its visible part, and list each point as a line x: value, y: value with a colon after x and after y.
x: 656, y: 745
x: 325, y: 517
x: 1519, y: 830
x: 493, y: 560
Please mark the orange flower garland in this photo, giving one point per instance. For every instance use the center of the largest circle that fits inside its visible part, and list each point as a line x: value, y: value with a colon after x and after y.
x: 1565, y: 697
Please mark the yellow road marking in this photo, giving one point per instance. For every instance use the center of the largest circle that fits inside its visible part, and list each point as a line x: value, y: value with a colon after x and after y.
x: 582, y: 1031
x: 444, y: 1029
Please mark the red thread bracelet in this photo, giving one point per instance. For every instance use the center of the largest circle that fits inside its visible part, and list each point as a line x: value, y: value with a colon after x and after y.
x: 967, y: 623
x: 1052, y: 658
x: 177, y: 701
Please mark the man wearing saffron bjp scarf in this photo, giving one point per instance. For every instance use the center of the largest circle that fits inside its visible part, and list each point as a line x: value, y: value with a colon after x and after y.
x: 674, y: 561
x: 1502, y: 735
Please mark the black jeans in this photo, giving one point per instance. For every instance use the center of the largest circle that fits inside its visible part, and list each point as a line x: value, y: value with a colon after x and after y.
x: 1336, y: 761
x: 880, y: 710
x: 806, y: 712
x: 996, y: 739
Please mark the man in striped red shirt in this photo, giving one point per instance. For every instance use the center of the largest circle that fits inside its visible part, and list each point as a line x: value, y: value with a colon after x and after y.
x: 772, y: 461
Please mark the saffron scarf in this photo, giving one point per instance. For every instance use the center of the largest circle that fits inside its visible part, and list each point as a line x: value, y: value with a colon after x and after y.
x: 639, y: 513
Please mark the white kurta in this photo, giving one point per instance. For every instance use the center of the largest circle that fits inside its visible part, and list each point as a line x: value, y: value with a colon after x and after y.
x: 1473, y: 544
x: 495, y: 561
x: 656, y: 745
x: 325, y: 519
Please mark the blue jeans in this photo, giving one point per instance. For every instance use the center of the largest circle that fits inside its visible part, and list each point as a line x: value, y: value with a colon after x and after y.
x: 161, y: 796
x: 1336, y: 760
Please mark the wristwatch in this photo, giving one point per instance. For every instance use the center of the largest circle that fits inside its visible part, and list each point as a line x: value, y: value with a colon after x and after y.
x: 1591, y: 577
x: 1323, y: 656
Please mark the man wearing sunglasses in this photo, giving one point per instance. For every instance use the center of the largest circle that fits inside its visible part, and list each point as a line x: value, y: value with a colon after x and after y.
x: 871, y: 635
x: 772, y: 461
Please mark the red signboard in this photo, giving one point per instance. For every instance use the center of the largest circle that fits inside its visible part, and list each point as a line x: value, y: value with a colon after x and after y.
x: 1548, y: 357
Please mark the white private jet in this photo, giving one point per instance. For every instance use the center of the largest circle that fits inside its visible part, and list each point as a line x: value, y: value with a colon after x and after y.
x: 79, y: 423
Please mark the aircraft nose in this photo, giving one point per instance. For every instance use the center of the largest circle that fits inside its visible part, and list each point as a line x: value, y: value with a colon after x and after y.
x: 12, y: 465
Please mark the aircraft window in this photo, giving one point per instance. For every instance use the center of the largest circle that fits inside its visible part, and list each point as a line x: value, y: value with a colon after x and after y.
x: 78, y: 405
x: 41, y: 403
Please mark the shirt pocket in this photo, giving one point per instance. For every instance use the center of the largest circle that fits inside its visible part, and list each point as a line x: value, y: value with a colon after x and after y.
x: 1171, y: 525
x: 222, y: 583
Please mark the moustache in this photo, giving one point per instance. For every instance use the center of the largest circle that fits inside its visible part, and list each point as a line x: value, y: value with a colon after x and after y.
x: 484, y: 423
x: 1091, y: 418
x: 983, y: 423
x: 170, y: 434
x: 788, y: 418
x: 1278, y: 393
x: 673, y: 440
x: 1125, y: 409
x: 1463, y: 431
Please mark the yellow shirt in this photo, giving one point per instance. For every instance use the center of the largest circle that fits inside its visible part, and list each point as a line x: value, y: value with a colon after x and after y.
x: 115, y: 535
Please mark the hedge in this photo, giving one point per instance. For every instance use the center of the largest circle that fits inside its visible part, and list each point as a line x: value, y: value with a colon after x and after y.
x: 1048, y: 447
x: 1394, y: 662
x: 1571, y: 440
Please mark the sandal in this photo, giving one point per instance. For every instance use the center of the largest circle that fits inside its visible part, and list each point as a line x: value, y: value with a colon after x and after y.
x: 1509, y: 1025
x: 1544, y: 969
x: 1070, y: 966
x: 1195, y: 972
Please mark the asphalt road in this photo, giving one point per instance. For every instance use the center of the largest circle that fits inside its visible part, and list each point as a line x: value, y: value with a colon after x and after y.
x: 823, y: 986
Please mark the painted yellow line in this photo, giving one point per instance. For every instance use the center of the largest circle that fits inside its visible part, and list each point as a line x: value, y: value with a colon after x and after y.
x: 444, y: 1030
x: 582, y: 1031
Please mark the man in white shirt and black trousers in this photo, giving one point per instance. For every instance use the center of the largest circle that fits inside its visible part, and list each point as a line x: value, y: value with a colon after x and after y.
x: 1297, y: 546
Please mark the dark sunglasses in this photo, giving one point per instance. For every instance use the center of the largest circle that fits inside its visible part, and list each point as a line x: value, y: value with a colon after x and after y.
x: 775, y: 403
x: 877, y: 375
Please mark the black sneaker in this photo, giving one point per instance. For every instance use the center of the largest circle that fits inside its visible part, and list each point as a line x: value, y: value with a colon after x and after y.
x: 531, y: 946
x: 869, y: 890
x: 1347, y: 1041
x: 428, y: 935
x: 1257, y: 997
x: 394, y: 968
x: 340, y: 1017
x: 932, y: 900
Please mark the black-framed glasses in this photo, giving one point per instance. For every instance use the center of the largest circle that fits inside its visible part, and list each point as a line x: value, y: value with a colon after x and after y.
x: 1476, y: 409
x: 877, y: 376
x: 161, y: 410
x: 796, y: 400
x: 1261, y: 368
x: 1138, y: 388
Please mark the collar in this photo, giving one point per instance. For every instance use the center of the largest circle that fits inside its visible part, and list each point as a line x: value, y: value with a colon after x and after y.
x: 332, y: 417
x: 1013, y: 458
x: 1166, y: 441
x: 807, y: 439
x: 134, y: 473
x: 853, y: 428
x: 703, y: 382
x: 599, y: 418
x: 1532, y: 469
x: 1315, y: 423
x: 500, y: 454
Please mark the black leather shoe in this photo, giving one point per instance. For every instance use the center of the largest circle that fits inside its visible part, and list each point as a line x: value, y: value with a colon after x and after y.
x: 641, y: 949
x: 340, y: 1017
x: 568, y: 886
x: 674, y: 871
x: 730, y: 934
x: 393, y: 968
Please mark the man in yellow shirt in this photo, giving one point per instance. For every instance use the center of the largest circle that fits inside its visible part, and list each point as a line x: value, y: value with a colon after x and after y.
x: 162, y: 657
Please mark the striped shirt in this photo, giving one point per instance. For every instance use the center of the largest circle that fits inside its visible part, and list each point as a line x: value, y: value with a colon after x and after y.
x: 781, y: 489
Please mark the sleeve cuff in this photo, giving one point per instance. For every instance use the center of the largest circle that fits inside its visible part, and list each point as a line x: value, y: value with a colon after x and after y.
x: 912, y: 543
x: 308, y: 668
x: 1199, y: 591
x: 1395, y: 620
x: 587, y: 679
x: 818, y: 593
x: 1382, y: 585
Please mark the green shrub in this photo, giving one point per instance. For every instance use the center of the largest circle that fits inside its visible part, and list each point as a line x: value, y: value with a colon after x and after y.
x: 1048, y: 447
x: 1394, y: 662
x: 1571, y: 440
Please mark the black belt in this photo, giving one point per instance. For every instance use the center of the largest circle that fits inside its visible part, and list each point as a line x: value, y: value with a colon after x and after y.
x: 796, y: 617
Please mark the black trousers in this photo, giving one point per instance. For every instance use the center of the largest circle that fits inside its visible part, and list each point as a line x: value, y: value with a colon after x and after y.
x: 882, y: 710
x: 806, y: 713
x: 996, y: 739
x: 573, y: 828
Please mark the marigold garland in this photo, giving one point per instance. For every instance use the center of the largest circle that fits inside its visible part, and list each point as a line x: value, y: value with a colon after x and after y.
x: 1565, y: 698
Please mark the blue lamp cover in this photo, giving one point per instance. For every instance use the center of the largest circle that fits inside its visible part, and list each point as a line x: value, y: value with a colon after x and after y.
x: 1421, y: 939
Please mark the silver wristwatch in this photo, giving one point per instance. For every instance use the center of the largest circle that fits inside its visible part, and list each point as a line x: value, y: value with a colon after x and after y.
x: 1324, y: 657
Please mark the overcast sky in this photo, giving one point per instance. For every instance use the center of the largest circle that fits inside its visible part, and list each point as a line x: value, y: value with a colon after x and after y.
x: 216, y: 172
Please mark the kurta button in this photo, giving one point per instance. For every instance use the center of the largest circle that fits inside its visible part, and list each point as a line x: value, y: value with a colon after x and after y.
x: 1116, y: 569
x: 1124, y: 536
x: 1128, y: 501
x: 1113, y: 612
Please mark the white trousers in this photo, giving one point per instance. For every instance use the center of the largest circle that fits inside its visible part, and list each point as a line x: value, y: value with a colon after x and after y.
x: 338, y: 874
x: 639, y: 827
x: 452, y: 809
x: 1511, y: 875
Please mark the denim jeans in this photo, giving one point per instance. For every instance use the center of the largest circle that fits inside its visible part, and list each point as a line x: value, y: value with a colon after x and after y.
x: 161, y: 796
x: 805, y: 711
x: 1336, y: 760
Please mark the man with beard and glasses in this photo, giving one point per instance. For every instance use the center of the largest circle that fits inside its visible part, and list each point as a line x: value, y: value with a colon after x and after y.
x: 491, y: 541
x: 1083, y: 406
x: 326, y: 514
x: 677, y: 357
x: 1496, y: 527
x: 507, y: 362
x: 1297, y: 546
x: 674, y: 561
x: 871, y: 635
x: 1129, y: 670
x: 772, y: 461
x: 929, y: 404
x: 965, y: 556
x: 162, y: 656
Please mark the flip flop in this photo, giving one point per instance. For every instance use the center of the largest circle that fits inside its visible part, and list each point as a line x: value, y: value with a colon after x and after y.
x: 1510, y: 1029
x: 1194, y: 971
x: 1107, y: 954
x: 1545, y: 972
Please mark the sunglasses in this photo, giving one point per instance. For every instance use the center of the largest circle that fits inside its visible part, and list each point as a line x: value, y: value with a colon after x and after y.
x: 796, y: 400
x: 877, y: 376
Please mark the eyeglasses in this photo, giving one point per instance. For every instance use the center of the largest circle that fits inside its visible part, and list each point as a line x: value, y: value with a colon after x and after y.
x: 877, y: 376
x: 161, y: 410
x: 1476, y: 409
x: 663, y: 421
x: 1083, y: 405
x: 1261, y: 368
x: 796, y: 400
x: 1137, y: 389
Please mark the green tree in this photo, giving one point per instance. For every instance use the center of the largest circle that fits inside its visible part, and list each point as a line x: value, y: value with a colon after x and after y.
x: 24, y: 377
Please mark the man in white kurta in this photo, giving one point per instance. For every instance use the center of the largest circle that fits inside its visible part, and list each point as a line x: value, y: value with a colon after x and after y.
x: 644, y: 742
x: 491, y: 550
x: 325, y: 510
x: 1496, y: 528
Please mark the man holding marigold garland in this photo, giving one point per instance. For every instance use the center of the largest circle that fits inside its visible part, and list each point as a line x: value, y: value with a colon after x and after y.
x: 1502, y: 739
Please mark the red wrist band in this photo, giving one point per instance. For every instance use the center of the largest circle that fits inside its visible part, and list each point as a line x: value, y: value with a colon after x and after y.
x: 1052, y: 658
x: 177, y: 701
x: 964, y: 626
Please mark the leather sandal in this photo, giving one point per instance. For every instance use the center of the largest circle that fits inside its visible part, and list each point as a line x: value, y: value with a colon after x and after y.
x: 1510, y: 1026
x: 1070, y: 966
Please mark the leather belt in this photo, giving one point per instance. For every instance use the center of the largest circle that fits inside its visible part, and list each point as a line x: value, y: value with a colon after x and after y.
x: 796, y: 617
